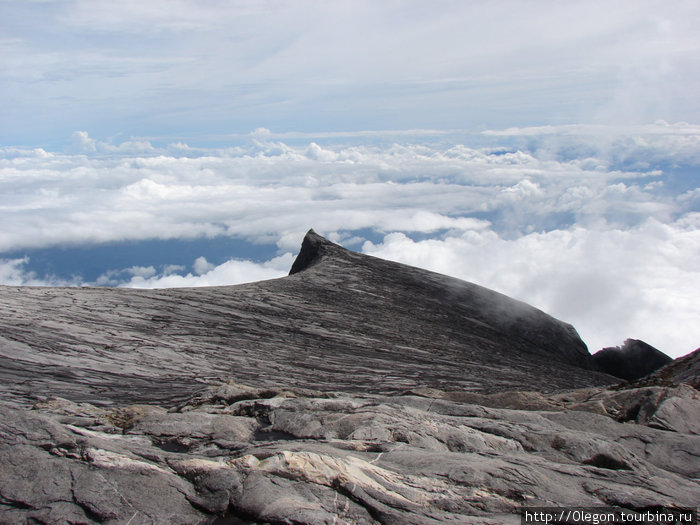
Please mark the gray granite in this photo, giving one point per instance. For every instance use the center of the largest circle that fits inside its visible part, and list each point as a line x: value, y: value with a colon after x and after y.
x: 286, y: 456
x: 344, y: 321
x: 353, y: 391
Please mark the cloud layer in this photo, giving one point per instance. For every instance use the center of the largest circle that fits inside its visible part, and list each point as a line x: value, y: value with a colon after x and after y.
x: 202, y: 273
x: 596, y: 225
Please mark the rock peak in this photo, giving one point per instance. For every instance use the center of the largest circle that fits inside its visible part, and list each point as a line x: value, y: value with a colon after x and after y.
x: 633, y: 360
x: 313, y: 248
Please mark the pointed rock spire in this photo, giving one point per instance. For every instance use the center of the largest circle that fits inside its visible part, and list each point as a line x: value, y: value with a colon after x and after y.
x: 313, y: 248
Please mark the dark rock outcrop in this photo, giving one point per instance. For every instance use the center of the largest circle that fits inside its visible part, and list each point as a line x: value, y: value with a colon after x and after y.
x: 633, y: 360
x: 684, y: 370
x: 354, y: 391
x: 313, y: 249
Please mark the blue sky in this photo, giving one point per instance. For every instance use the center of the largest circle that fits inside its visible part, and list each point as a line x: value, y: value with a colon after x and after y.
x: 549, y: 150
x: 181, y: 68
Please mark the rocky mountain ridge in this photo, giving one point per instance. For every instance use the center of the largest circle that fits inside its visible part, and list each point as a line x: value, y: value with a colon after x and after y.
x: 635, y: 359
x: 347, y: 321
x: 353, y: 391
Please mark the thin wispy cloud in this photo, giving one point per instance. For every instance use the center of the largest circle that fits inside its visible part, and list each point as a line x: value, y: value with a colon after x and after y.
x: 155, y: 68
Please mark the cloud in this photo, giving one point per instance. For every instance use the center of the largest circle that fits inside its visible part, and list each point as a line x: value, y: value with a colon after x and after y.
x: 632, y: 147
x: 14, y: 273
x: 207, y: 274
x: 273, y: 190
x: 261, y: 132
x: 204, y: 273
x: 202, y: 266
x: 183, y: 66
x: 659, y: 127
x: 83, y: 143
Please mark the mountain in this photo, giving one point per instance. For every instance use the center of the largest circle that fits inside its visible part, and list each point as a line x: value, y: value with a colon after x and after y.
x: 340, y: 320
x: 355, y: 390
x: 633, y: 360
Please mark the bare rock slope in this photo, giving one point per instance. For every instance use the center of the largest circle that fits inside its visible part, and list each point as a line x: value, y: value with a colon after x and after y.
x: 353, y: 391
x: 341, y: 321
x: 684, y: 370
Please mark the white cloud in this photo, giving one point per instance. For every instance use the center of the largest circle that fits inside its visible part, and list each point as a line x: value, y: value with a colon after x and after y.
x: 83, y: 143
x: 207, y: 274
x: 638, y: 146
x: 183, y: 66
x: 659, y: 127
x: 261, y: 133
x: 202, y: 266
x: 143, y: 272
x: 275, y: 190
x: 14, y: 273
x: 316, y: 152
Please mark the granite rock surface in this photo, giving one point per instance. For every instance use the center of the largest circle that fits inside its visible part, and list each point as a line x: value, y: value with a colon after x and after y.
x: 353, y: 391
x: 239, y: 455
x: 341, y: 320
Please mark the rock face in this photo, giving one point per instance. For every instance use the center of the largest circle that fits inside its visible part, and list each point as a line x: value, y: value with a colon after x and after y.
x: 354, y: 391
x: 242, y: 455
x: 634, y: 360
x: 684, y: 370
x: 342, y: 320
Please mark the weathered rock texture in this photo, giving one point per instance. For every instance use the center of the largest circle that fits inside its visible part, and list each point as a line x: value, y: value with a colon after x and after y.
x: 633, y: 360
x: 342, y: 320
x: 285, y: 456
x: 685, y: 369
x: 354, y: 391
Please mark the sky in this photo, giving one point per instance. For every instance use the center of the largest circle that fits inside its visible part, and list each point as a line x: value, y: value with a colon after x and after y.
x: 549, y: 150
